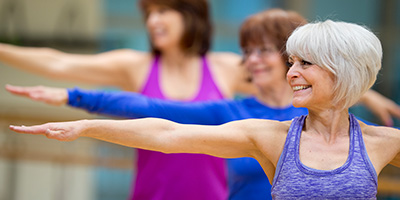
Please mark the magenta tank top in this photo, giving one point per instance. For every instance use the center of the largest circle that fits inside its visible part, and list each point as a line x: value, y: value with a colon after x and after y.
x: 179, y: 176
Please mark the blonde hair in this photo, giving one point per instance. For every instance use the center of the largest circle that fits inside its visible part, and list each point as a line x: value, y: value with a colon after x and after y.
x: 350, y: 51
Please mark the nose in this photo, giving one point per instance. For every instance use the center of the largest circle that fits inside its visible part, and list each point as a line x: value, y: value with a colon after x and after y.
x: 254, y: 56
x: 293, y: 71
x: 152, y: 18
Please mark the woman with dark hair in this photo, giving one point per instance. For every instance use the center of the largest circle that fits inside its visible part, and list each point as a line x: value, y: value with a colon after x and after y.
x: 178, y: 67
x: 263, y: 38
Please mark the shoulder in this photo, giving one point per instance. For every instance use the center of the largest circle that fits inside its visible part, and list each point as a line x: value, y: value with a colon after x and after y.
x: 227, y: 70
x: 261, y: 129
x: 130, y: 56
x: 382, y: 143
x: 224, y: 59
x: 132, y: 63
x: 269, y: 136
x: 380, y: 133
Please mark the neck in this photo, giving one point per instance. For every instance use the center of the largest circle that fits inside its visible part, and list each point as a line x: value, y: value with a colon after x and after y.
x: 331, y: 123
x: 276, y: 95
x: 177, y: 58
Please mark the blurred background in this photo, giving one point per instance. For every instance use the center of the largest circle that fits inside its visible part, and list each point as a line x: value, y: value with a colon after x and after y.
x: 37, y: 168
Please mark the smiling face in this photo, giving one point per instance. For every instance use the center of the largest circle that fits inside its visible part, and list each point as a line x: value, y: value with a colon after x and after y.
x: 312, y: 85
x: 265, y: 64
x: 165, y: 27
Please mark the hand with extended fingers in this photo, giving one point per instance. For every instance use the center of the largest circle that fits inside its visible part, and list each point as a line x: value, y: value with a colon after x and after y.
x: 385, y: 109
x: 53, y: 96
x: 66, y: 131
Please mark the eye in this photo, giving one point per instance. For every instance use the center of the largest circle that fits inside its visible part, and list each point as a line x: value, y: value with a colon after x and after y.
x: 303, y: 62
x: 246, y: 52
x: 289, y: 64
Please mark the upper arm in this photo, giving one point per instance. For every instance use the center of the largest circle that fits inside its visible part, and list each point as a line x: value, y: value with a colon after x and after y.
x: 396, y: 139
x: 383, y: 145
x: 231, y: 140
x: 108, y: 68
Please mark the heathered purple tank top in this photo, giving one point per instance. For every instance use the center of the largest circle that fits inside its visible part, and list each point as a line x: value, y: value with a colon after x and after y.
x: 355, y: 179
x: 180, y: 176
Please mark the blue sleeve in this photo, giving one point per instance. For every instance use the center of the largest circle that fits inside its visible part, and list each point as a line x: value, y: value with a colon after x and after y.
x: 133, y: 105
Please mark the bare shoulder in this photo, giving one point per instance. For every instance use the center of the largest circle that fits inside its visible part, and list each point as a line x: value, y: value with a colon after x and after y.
x: 133, y: 64
x: 266, y: 130
x: 382, y: 133
x: 227, y: 60
x: 269, y: 136
x: 130, y: 57
x: 382, y: 144
x: 228, y: 71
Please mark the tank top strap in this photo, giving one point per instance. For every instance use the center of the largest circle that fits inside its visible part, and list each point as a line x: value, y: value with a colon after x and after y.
x: 208, y: 89
x: 152, y: 86
x: 360, y: 152
x: 290, y: 144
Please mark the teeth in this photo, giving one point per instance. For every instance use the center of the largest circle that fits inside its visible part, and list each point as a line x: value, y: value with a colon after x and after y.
x: 302, y: 87
x: 158, y: 30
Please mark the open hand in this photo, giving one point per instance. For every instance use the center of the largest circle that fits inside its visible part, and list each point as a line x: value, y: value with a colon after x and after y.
x: 63, y: 131
x: 381, y: 106
x: 49, y: 95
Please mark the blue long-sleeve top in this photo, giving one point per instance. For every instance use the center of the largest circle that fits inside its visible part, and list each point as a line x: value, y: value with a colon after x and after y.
x: 246, y: 178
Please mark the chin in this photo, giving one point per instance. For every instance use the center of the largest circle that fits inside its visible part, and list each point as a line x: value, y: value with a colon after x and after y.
x: 299, y: 103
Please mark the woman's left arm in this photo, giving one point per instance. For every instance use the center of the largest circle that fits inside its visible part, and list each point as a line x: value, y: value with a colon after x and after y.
x: 396, y: 139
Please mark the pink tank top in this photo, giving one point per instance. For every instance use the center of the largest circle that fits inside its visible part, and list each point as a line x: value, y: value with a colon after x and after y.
x: 180, y: 176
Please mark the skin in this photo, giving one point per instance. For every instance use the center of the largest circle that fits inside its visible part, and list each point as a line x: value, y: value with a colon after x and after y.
x: 180, y: 80
x: 128, y: 69
x: 324, y: 139
x: 268, y: 72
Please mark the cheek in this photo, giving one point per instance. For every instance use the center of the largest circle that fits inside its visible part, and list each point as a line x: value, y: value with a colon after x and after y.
x: 327, y: 86
x: 177, y: 22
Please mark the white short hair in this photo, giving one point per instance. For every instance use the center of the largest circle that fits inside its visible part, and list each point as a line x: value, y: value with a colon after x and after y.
x: 350, y: 51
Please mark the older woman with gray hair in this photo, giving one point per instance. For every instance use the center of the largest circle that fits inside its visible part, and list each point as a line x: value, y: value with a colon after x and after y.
x: 327, y: 154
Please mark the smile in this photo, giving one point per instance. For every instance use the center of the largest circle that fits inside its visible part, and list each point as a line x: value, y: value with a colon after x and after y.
x: 301, y: 87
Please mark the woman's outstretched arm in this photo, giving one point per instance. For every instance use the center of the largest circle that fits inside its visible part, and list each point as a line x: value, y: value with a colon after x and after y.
x: 230, y: 140
x: 133, y: 105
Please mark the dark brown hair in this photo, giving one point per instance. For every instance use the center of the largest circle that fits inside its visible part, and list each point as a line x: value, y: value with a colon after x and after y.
x: 273, y: 25
x: 197, y: 26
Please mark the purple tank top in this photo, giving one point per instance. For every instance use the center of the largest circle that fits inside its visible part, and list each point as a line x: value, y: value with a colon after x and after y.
x: 180, y: 176
x: 355, y: 179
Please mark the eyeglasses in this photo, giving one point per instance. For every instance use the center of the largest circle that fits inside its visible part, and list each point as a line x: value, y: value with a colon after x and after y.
x: 260, y: 51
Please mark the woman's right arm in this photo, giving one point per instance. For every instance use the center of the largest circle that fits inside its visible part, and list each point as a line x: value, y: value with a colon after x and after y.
x: 132, y: 105
x: 230, y: 140
x: 107, y: 68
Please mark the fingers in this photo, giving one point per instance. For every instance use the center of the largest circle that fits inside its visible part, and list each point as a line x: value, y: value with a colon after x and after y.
x: 35, y: 130
x: 52, y: 96
x: 17, y: 90
x: 386, y: 118
x: 35, y: 92
x: 394, y: 109
x: 45, y: 129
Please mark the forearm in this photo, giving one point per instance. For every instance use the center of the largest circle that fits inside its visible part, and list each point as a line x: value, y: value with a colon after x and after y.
x: 133, y: 105
x: 150, y: 133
